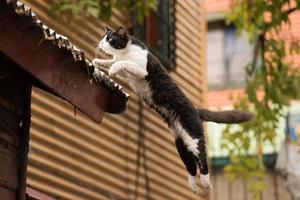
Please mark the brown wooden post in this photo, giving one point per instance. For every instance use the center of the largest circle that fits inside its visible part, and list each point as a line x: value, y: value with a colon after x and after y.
x: 15, y: 94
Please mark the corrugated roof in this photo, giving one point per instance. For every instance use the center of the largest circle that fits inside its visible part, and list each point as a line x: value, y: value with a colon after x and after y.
x: 75, y: 57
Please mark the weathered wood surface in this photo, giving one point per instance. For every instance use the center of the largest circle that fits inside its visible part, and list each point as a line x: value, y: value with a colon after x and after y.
x: 14, y: 129
x: 57, y: 65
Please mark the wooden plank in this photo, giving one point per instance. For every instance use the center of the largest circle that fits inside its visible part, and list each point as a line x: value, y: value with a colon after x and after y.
x: 60, y: 64
x: 78, y: 142
x: 191, y: 8
x: 282, y: 190
x: 106, y: 176
x: 269, y: 191
x: 183, y: 18
x: 190, y: 56
x: 182, y: 41
x: 222, y: 185
x: 187, y: 34
x: 188, y: 59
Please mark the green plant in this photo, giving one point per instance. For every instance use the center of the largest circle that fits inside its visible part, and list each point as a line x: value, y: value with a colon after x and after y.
x: 103, y: 8
x: 272, y: 81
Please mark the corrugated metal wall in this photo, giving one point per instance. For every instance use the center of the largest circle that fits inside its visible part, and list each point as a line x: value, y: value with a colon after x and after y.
x: 127, y: 156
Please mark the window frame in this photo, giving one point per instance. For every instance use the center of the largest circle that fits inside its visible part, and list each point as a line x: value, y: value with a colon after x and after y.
x: 228, y: 79
x: 145, y: 33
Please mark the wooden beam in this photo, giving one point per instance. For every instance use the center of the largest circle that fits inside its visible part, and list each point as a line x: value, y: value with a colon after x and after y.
x: 55, y: 64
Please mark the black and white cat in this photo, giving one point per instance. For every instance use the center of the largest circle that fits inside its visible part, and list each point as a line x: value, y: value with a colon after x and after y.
x: 150, y: 81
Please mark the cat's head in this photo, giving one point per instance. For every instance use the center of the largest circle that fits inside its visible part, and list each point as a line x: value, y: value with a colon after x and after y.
x: 114, y: 41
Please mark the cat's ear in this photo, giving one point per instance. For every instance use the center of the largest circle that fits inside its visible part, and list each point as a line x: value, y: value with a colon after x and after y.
x: 108, y: 29
x: 121, y: 31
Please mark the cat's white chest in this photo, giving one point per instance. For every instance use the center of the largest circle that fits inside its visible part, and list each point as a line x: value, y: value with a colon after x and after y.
x: 137, y: 55
x: 134, y: 54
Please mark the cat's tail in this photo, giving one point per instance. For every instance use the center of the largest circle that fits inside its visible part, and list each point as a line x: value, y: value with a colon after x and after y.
x: 227, y: 117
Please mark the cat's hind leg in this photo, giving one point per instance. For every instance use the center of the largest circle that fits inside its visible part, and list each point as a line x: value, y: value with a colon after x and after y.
x: 202, y: 163
x: 190, y: 163
x: 187, y: 157
x: 192, y: 134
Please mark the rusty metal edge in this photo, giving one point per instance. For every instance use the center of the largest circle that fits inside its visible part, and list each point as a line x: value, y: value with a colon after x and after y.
x: 118, y: 96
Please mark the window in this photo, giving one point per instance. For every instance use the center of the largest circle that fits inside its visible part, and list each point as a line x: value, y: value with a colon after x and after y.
x: 227, y: 55
x: 158, y: 32
x: 293, y: 127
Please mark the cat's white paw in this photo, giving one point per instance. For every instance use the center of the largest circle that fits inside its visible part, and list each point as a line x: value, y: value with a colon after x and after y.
x: 205, y: 182
x: 114, y: 70
x: 96, y: 62
x: 192, y: 184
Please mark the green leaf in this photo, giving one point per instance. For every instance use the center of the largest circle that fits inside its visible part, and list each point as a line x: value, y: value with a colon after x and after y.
x: 93, y: 11
x: 96, y: 8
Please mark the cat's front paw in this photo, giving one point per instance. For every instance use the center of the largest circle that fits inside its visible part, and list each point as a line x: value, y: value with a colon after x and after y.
x: 114, y: 71
x: 96, y: 62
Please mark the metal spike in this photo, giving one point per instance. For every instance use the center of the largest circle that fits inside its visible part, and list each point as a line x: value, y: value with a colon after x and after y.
x: 26, y: 8
x: 63, y: 37
x: 45, y: 27
x: 58, y: 36
x: 76, y: 48
x: 51, y: 31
